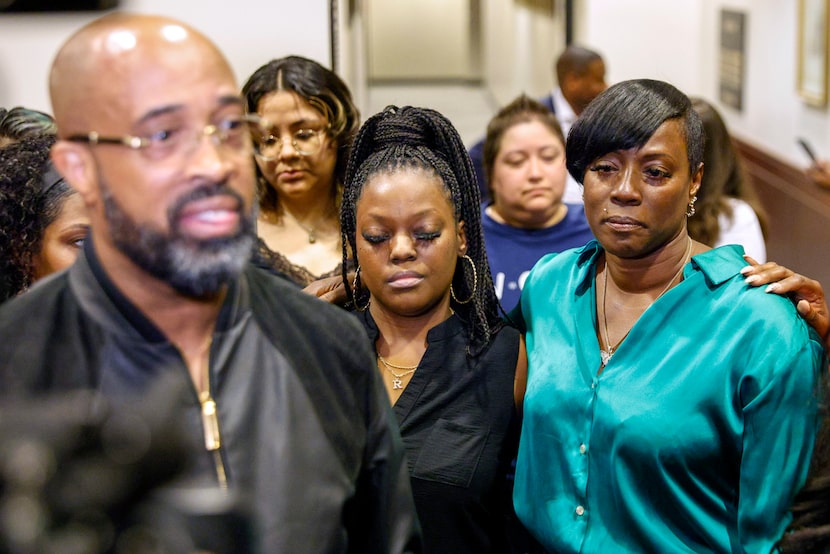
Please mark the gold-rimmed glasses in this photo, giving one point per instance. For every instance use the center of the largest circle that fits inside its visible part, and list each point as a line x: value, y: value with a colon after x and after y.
x: 230, y: 132
x: 306, y: 142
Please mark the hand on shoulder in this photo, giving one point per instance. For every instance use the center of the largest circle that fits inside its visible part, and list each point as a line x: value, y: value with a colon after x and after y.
x: 806, y: 293
x: 330, y: 289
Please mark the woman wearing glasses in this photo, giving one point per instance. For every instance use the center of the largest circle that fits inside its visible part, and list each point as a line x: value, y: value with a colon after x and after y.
x: 310, y: 121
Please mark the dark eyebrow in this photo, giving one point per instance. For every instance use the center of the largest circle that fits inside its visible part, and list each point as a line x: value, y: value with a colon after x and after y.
x: 307, y: 121
x: 420, y: 214
x: 223, y: 101
x: 229, y: 100
x: 158, y: 112
x: 662, y: 155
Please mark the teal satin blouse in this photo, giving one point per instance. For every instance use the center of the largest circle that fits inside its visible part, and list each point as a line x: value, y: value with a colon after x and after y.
x: 696, y: 435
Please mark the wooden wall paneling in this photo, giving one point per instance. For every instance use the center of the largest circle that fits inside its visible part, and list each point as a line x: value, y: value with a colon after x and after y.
x: 798, y: 210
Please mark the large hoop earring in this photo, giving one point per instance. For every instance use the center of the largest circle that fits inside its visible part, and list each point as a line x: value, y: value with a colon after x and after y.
x: 475, y: 282
x: 356, y: 289
x: 690, y: 210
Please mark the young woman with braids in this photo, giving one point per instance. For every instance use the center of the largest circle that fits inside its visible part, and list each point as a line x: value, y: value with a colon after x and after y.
x: 300, y: 165
x: 410, y: 219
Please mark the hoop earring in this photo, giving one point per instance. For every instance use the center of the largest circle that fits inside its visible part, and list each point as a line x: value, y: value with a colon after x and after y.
x: 690, y: 210
x: 475, y: 282
x: 356, y: 289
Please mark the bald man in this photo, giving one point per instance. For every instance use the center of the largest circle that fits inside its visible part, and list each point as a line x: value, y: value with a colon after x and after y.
x: 286, y: 402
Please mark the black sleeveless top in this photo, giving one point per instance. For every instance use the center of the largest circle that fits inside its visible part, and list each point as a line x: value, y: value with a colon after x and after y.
x: 460, y: 430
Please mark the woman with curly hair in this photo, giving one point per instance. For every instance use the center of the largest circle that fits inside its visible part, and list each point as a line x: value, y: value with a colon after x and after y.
x: 18, y: 123
x: 42, y: 220
x: 310, y: 120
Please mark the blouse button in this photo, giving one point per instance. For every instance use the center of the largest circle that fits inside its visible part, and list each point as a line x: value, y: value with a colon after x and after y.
x: 580, y: 510
x: 593, y: 385
x: 583, y: 449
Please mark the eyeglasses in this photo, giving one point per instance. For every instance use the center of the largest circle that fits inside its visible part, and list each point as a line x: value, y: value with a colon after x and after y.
x: 306, y: 142
x: 232, y: 133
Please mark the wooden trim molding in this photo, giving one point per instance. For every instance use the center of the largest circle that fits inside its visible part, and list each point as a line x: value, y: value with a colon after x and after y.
x: 798, y: 210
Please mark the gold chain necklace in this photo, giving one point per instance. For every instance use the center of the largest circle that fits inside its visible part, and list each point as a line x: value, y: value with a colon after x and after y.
x: 396, y: 381
x: 605, y: 355
x: 310, y: 231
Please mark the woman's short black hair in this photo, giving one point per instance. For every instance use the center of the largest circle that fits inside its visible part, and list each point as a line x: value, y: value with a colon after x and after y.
x: 625, y: 116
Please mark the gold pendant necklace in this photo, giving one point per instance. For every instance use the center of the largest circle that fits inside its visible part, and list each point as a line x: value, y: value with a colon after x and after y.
x: 310, y: 231
x: 605, y: 355
x: 397, y: 383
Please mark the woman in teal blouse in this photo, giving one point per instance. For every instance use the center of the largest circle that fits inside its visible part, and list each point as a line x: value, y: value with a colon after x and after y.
x: 668, y: 406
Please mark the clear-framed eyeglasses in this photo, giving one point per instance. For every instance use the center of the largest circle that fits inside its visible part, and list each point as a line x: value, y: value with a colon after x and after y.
x: 306, y: 142
x: 230, y: 133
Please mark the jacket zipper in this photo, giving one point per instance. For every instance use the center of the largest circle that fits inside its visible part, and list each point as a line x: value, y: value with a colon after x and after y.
x: 210, y: 424
x: 213, y: 440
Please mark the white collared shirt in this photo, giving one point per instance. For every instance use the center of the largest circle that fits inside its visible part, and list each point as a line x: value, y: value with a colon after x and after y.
x: 566, y: 117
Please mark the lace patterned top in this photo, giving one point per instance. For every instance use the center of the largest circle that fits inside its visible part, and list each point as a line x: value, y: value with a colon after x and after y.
x: 277, y: 263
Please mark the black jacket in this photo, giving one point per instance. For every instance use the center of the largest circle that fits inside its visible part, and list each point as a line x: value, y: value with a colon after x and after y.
x: 307, y: 431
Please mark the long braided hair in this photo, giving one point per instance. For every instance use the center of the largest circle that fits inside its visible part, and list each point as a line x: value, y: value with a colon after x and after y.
x: 421, y: 138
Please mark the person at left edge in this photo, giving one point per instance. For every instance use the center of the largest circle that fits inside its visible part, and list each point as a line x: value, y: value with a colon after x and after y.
x: 43, y: 221
x: 286, y: 397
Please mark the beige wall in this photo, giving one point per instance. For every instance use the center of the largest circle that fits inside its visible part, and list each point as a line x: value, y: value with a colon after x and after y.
x: 352, y: 56
x: 520, y: 42
x: 678, y: 41
x: 647, y: 38
x: 250, y: 32
x: 420, y: 39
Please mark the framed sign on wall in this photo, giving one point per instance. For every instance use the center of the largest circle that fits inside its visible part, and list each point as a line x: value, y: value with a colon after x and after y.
x: 813, y: 18
x: 732, y: 58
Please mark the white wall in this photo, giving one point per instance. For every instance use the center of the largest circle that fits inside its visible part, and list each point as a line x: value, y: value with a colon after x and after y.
x: 250, y: 32
x: 520, y: 41
x: 674, y: 40
x: 678, y: 41
x: 412, y: 39
x: 352, y: 59
x: 773, y: 113
x: 646, y: 38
